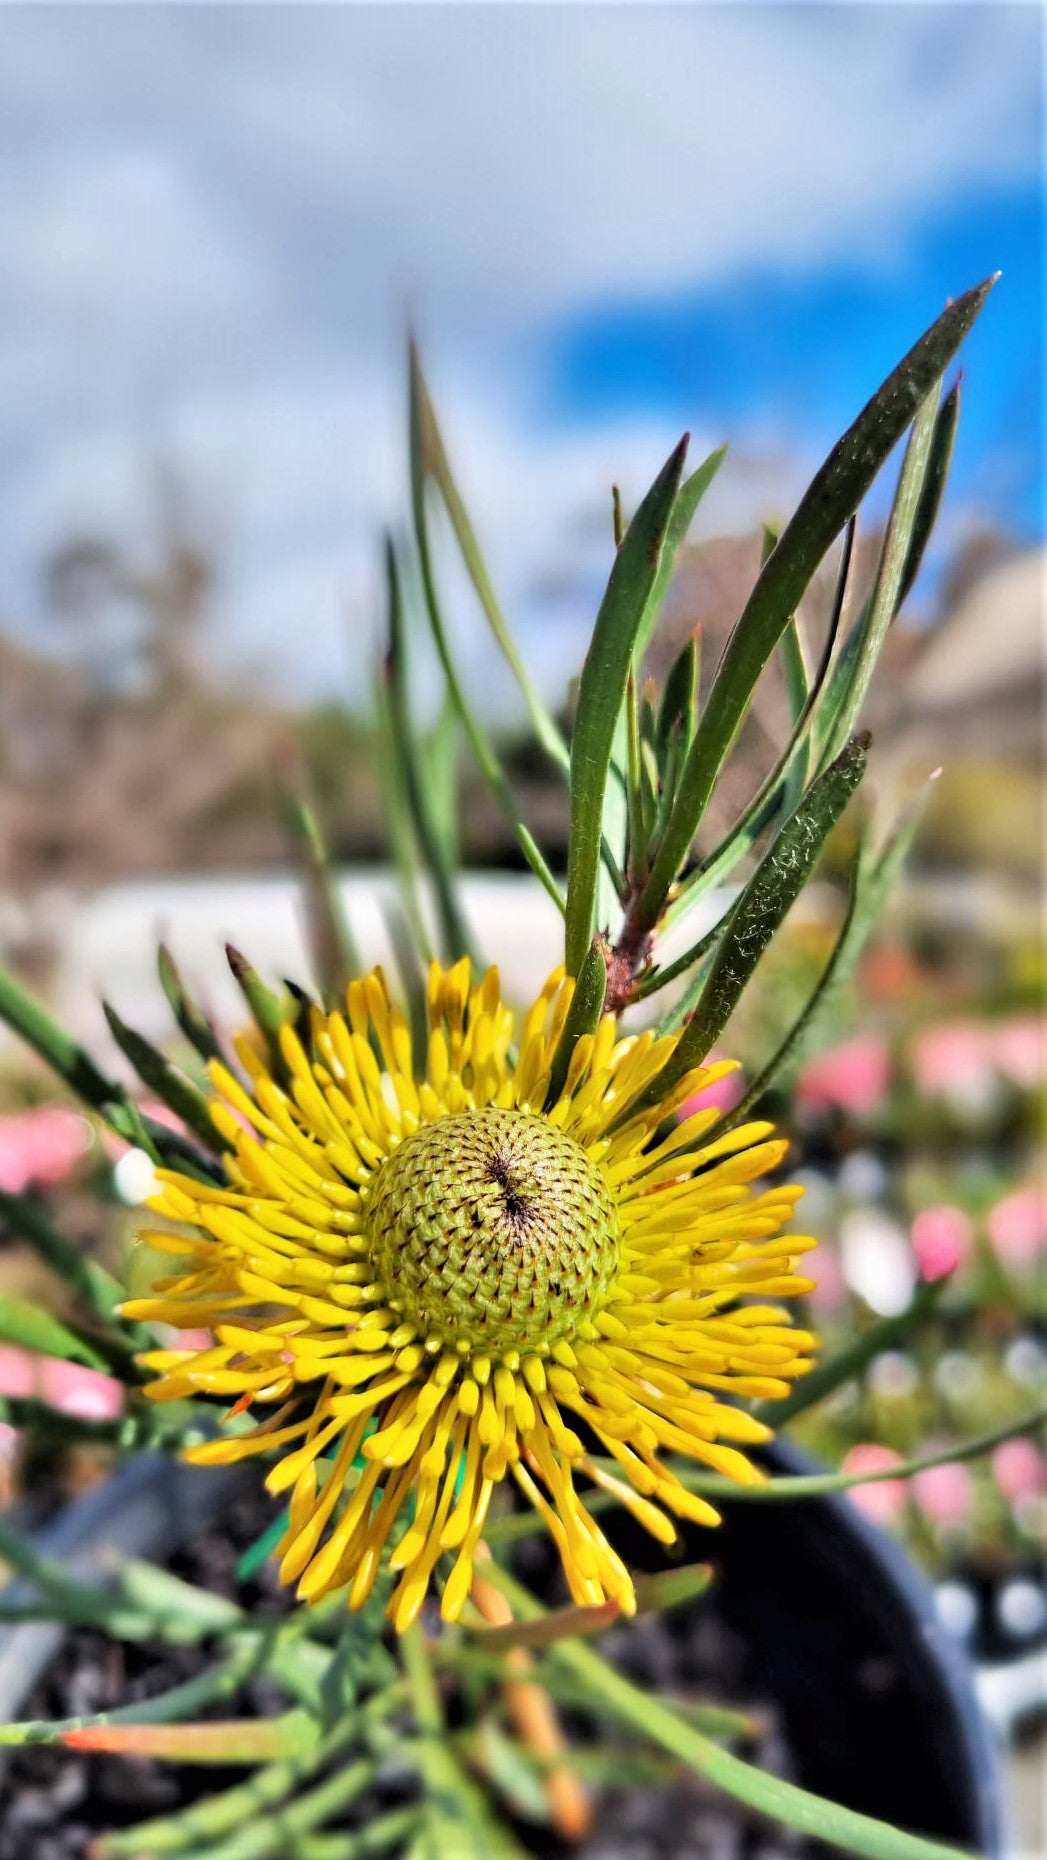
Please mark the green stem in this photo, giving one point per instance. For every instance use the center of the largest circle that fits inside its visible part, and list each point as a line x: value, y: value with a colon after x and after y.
x: 887, y: 1334
x: 807, y: 1485
x: 70, y: 1060
x: 455, y: 934
x: 219, y: 1814
x: 768, y: 1795
x: 817, y: 1485
x: 425, y: 1700
x: 218, y: 1682
x: 389, y: 1831
x: 83, y: 1277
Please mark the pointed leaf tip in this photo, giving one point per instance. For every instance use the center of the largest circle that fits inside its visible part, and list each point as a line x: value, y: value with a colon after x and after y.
x: 237, y: 962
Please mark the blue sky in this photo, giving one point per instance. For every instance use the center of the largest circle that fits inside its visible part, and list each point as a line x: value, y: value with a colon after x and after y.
x: 608, y: 224
x: 804, y: 350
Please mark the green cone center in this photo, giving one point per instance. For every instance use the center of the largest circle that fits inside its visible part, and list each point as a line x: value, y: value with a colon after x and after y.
x: 493, y: 1228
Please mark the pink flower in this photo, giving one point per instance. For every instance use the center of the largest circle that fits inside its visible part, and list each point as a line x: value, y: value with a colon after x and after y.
x: 722, y: 1095
x: 941, y: 1238
x: 66, y: 1386
x: 1020, y: 1050
x: 830, y: 1287
x: 884, y: 1501
x: 965, y: 1056
x: 41, y: 1148
x: 954, y: 1058
x: 851, y: 1077
x: 1019, y: 1469
x: 14, y: 1172
x: 943, y: 1494
x: 1018, y: 1224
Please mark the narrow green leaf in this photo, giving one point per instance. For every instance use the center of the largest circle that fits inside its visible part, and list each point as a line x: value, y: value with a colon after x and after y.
x: 884, y: 601
x: 615, y: 823
x: 283, y: 1836
x: 794, y: 665
x: 583, y: 1016
x: 217, y: 1682
x: 680, y: 694
x: 545, y: 1630
x: 434, y: 462
x: 389, y: 1833
x: 267, y: 1010
x: 871, y: 884
x: 336, y: 959
x: 634, y: 797
x: 171, y: 1086
x: 781, y: 787
x: 509, y: 1769
x: 236, y: 1740
x: 832, y: 497
x: 770, y: 893
x: 930, y: 496
x: 197, y: 1612
x: 31, y: 1021
x: 618, y: 525
x: 483, y: 750
x: 792, y: 1048
x: 83, y: 1277
x: 439, y: 762
x: 653, y: 1718
x: 75, y: 1600
x: 456, y: 1818
x: 668, y: 777
x: 671, y: 1588
x: 73, y: 1064
x: 32, y: 1328
x: 934, y: 483
x: 601, y: 695
x: 191, y: 1019
x: 220, y: 1814
x: 819, y: 1485
x: 533, y: 854
x: 721, y: 1720
x: 688, y: 498
x: 455, y: 935
x: 409, y: 963
x: 304, y: 1006
x: 165, y: 1147
x: 398, y: 815
x: 614, y: 828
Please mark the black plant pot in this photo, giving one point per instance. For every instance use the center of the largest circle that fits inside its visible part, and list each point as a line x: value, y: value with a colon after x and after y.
x: 827, y: 1620
x: 839, y: 1629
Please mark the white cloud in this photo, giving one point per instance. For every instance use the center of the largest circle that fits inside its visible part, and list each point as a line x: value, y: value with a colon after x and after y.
x: 213, y: 217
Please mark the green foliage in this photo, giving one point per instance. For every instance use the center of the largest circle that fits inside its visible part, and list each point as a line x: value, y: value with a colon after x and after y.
x: 189, y: 1017
x: 754, y: 919
x: 829, y: 502
x: 601, y: 695
x: 583, y: 1017
x: 158, y: 1075
x: 640, y: 768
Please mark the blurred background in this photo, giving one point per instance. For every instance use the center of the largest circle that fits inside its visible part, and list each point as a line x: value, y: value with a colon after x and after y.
x: 606, y: 225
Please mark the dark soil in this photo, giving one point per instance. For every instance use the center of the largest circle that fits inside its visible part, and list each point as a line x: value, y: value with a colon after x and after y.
x: 833, y: 1711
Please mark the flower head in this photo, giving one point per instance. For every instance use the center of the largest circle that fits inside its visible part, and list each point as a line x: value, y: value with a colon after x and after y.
x: 941, y: 1238
x: 432, y: 1286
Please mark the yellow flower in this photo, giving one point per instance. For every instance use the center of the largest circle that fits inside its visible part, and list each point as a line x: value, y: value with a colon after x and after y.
x: 451, y: 1282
